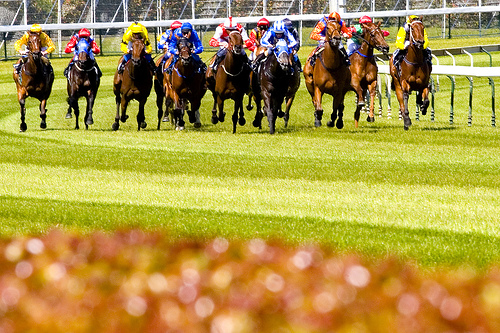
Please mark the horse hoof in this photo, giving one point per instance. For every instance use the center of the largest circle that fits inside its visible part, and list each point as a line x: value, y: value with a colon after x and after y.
x: 281, y: 114
x: 222, y: 117
x: 256, y: 123
x: 69, y: 115
x: 317, y: 123
x: 89, y: 121
x: 215, y: 120
x: 242, y: 121
x: 406, y: 128
x: 43, y: 125
x: 124, y: 118
x: 23, y: 127
x: 249, y: 107
x: 197, y: 125
x: 165, y: 119
x: 340, y: 124
x: 370, y: 119
x: 115, y: 126
x: 143, y: 125
x: 179, y: 128
x: 330, y: 123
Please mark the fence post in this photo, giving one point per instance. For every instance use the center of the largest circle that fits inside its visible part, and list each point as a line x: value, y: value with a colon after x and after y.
x: 5, y: 44
x: 492, y: 84
x: 469, y: 122
x: 433, y: 90
x: 452, y: 97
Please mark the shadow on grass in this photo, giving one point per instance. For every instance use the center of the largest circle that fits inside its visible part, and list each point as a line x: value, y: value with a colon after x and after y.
x: 428, y: 247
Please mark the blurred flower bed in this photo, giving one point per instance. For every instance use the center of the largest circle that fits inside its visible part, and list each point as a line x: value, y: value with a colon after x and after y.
x: 143, y: 282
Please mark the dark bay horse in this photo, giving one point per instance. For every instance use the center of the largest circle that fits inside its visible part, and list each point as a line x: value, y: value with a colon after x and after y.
x: 414, y: 74
x: 35, y: 80
x: 275, y: 76
x: 364, y: 68
x: 330, y: 75
x: 232, y: 80
x: 83, y: 80
x: 134, y: 83
x: 185, y: 84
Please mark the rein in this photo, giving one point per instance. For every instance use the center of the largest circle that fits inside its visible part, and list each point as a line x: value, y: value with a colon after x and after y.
x: 230, y: 74
x: 83, y: 69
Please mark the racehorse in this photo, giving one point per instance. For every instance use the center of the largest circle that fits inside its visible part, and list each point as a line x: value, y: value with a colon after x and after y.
x: 231, y: 81
x: 185, y: 84
x: 413, y: 75
x: 275, y: 76
x: 329, y: 74
x: 35, y: 80
x: 134, y: 83
x: 83, y: 80
x: 364, y: 68
x: 160, y: 92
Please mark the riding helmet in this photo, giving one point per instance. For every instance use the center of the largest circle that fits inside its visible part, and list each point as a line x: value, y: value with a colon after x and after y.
x: 288, y: 23
x: 334, y: 15
x: 279, y: 27
x: 186, y: 26
x: 136, y: 28
x: 229, y: 24
x: 36, y: 28
x: 263, y: 22
x: 175, y: 25
x: 84, y: 32
x: 365, y: 19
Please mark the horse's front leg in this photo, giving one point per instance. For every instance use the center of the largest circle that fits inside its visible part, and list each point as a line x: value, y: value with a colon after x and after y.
x: 318, y: 113
x: 195, y: 109
x: 178, y: 114
x: 289, y: 101
x: 22, y: 104
x: 220, y: 105
x: 425, y: 100
x: 89, y: 120
x: 73, y: 104
x: 43, y: 113
x: 160, y: 94
x: 406, y: 113
x: 116, y: 124
x: 241, y: 114
x: 372, y: 88
x: 215, y: 119
x: 141, y: 118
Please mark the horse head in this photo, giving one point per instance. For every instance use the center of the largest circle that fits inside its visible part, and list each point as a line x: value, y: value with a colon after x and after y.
x: 417, y: 34
x: 35, y: 45
x: 375, y: 37
x: 283, y: 54
x: 185, y: 47
x: 138, y: 50
x: 235, y: 42
x: 333, y: 36
x: 84, y: 48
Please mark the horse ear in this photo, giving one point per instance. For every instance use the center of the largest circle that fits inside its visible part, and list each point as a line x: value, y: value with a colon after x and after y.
x: 379, y: 23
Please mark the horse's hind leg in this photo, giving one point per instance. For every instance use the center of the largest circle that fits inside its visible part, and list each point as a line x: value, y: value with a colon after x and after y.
x: 116, y: 124
x: 318, y: 113
x: 241, y: 115
x: 372, y: 88
x: 195, y: 106
x: 425, y: 101
x: 406, y: 113
x: 289, y: 101
x: 73, y: 102
x: 43, y: 114
x: 159, y: 100
x: 89, y: 120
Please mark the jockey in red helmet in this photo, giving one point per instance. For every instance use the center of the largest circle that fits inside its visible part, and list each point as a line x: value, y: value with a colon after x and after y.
x: 71, y: 47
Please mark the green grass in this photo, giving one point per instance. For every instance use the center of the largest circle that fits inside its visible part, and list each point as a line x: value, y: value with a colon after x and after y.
x: 430, y: 194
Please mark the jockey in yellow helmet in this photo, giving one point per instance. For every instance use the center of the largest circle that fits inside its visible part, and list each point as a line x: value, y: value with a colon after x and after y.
x: 402, y: 42
x: 126, y: 45
x: 47, y: 46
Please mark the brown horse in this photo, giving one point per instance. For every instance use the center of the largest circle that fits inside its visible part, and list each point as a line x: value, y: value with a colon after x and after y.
x: 414, y: 74
x: 364, y: 68
x: 35, y: 80
x: 134, y: 83
x: 330, y: 75
x: 231, y: 81
x: 185, y: 84
x: 83, y: 80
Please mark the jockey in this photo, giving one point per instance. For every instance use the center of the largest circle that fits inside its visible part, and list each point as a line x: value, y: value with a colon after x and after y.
x: 186, y: 30
x: 319, y: 34
x: 354, y: 43
x: 289, y: 26
x: 257, y: 33
x: 71, y: 46
x: 271, y: 37
x: 164, y: 41
x: 47, y: 46
x: 221, y: 39
x: 402, y: 42
x: 126, y: 45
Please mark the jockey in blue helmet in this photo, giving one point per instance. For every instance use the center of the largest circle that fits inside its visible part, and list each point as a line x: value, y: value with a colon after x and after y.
x: 276, y: 32
x: 187, y: 31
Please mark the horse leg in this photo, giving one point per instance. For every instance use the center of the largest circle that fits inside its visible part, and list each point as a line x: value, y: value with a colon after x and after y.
x: 141, y: 118
x: 289, y: 101
x: 159, y: 100
x: 43, y: 114
x: 333, y: 117
x: 124, y: 105
x: 318, y: 113
x: 235, y: 116
x: 220, y: 104
x: 195, y: 106
x: 372, y: 88
x: 241, y: 115
x: 73, y: 102
x: 406, y: 113
x: 249, y: 105
x: 89, y: 120
x: 215, y: 119
x: 340, y: 110
x: 116, y: 124
x: 425, y: 98
x: 23, y: 126
x: 257, y: 122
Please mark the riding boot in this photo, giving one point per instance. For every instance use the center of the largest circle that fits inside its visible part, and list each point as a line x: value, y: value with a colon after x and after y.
x: 152, y: 66
x: 256, y: 63
x: 345, y: 56
x: 66, y: 72
x: 428, y: 55
x: 17, y: 67
x: 98, y: 70
x: 121, y: 66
